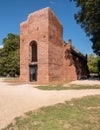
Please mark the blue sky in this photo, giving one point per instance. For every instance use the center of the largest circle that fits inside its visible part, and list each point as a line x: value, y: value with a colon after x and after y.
x: 13, y: 12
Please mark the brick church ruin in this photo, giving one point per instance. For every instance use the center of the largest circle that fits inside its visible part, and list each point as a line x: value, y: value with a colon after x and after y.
x: 44, y: 56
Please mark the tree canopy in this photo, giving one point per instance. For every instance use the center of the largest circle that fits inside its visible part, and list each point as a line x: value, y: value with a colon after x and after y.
x: 88, y: 17
x: 9, y: 55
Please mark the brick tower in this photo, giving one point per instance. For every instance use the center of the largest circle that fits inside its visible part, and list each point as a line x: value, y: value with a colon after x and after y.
x: 44, y: 56
x: 41, y: 47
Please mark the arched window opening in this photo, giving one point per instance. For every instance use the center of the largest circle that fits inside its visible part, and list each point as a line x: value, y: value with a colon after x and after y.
x: 33, y: 51
x: 33, y: 65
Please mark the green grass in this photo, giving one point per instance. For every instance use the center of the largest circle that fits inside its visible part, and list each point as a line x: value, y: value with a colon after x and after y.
x: 11, y: 78
x: 61, y: 87
x: 77, y: 114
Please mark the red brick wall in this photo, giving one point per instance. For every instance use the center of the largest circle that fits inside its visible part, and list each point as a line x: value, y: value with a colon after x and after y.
x: 55, y: 52
x: 75, y: 67
x: 24, y: 52
x: 69, y: 68
x: 34, y: 29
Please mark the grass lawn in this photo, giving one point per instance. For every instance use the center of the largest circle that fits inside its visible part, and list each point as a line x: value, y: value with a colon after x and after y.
x: 61, y: 87
x: 12, y: 79
x: 77, y: 114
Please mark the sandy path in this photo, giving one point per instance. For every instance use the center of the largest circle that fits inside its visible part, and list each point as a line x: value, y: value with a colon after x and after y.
x: 18, y: 99
x: 86, y: 82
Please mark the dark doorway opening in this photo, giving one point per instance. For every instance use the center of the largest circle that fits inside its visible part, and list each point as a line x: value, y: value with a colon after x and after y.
x: 33, y: 73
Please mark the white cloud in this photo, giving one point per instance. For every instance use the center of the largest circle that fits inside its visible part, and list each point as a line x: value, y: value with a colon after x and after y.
x: 52, y: 2
x: 1, y: 46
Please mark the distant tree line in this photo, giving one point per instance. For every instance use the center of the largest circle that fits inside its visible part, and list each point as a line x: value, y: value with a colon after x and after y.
x: 9, y: 56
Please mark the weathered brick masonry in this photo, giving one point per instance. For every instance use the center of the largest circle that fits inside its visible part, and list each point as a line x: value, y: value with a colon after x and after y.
x: 44, y: 57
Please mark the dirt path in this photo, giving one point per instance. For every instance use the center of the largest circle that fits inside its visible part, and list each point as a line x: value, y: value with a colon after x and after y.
x: 86, y: 82
x: 15, y: 100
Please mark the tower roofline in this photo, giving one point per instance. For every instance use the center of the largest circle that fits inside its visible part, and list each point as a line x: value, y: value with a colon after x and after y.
x: 40, y: 10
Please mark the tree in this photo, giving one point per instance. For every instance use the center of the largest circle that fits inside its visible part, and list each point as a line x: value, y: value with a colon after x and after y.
x: 88, y: 17
x: 94, y: 63
x: 9, y: 55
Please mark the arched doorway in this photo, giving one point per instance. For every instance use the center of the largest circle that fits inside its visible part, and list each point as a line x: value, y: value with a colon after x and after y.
x: 33, y: 64
x: 33, y: 45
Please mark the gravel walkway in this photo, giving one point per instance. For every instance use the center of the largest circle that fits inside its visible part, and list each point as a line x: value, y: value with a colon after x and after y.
x: 15, y: 100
